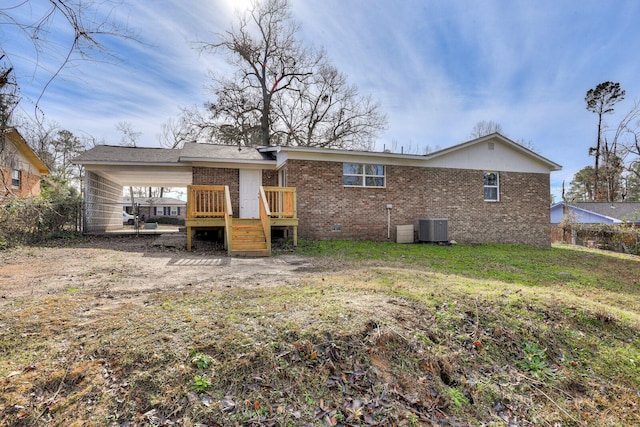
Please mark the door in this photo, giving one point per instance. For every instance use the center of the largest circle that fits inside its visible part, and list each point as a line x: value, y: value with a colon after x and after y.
x: 250, y: 182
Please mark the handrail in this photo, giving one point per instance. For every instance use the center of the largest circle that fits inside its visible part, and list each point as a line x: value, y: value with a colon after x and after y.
x: 207, y: 201
x: 210, y: 202
x: 228, y: 219
x: 265, y: 217
x: 282, y: 201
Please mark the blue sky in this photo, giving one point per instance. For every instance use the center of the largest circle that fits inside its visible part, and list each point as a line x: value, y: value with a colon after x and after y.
x: 436, y: 67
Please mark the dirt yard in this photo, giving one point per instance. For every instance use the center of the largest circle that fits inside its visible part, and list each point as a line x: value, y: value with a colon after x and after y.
x: 135, y: 331
x: 127, y: 268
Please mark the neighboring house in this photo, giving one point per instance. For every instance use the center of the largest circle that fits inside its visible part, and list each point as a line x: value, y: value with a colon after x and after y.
x: 20, y: 167
x: 155, y: 207
x: 490, y: 189
x: 611, y: 213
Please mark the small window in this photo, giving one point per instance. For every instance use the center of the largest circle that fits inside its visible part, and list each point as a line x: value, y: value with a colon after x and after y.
x: 491, y: 187
x: 363, y: 175
x: 174, y: 211
x: 16, y: 176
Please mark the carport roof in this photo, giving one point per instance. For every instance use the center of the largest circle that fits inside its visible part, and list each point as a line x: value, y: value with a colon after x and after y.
x: 137, y: 166
x: 113, y: 154
x: 168, y: 167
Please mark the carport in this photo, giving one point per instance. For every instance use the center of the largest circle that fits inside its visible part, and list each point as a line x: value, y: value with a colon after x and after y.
x: 109, y: 169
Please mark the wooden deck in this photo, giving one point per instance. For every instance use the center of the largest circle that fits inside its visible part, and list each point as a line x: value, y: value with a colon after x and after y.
x: 209, y: 207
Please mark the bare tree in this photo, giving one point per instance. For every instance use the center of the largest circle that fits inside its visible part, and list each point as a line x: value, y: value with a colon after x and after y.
x: 283, y: 90
x: 326, y: 111
x: 174, y: 133
x: 9, y: 91
x: 8, y: 158
x: 86, y: 23
x: 129, y: 137
x: 484, y: 128
x: 627, y: 138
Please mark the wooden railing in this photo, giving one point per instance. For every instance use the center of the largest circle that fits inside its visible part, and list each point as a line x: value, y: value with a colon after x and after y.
x: 208, y: 201
x: 228, y: 219
x: 281, y: 201
x: 265, y: 217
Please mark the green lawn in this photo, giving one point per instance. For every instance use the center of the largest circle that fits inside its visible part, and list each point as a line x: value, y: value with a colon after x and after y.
x: 367, y: 334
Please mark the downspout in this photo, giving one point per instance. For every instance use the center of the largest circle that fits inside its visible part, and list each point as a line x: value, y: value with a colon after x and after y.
x: 389, y: 207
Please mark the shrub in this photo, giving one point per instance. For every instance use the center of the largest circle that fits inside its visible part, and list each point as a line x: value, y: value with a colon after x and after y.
x: 33, y: 219
x: 167, y: 220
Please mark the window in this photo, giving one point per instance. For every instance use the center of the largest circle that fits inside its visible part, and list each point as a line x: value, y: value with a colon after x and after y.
x: 362, y: 175
x: 15, y: 178
x: 491, y: 187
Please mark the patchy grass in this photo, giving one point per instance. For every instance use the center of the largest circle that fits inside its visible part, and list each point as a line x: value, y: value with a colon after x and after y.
x: 372, y: 334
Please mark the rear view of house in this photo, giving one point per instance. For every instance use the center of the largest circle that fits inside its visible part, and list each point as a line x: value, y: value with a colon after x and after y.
x: 489, y: 189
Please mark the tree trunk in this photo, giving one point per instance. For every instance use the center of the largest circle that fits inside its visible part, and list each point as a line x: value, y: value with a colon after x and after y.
x: 596, y: 193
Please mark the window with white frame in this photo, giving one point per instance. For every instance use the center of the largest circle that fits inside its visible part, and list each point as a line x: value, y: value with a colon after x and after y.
x: 16, y: 177
x: 491, y: 187
x: 363, y: 175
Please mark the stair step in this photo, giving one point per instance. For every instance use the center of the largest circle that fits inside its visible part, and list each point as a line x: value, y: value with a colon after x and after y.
x: 246, y: 222
x: 248, y: 245
x: 248, y: 231
x: 251, y: 253
x: 248, y: 238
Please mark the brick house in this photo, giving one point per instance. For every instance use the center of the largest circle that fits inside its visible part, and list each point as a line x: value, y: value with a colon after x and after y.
x: 490, y: 189
x: 156, y: 207
x: 20, y: 167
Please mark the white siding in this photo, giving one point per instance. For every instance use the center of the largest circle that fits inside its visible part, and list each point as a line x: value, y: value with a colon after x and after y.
x: 481, y: 157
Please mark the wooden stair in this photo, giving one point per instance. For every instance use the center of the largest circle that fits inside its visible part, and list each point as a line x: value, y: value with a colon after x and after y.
x: 248, y: 238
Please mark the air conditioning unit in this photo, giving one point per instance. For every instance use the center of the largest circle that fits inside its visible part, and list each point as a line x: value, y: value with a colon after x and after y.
x: 433, y: 230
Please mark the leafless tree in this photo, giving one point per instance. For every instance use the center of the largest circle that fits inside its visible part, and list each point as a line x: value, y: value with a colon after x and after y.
x: 326, y: 111
x: 9, y: 91
x: 484, y: 128
x: 8, y: 157
x: 626, y: 146
x: 175, y: 133
x: 129, y: 137
x: 283, y: 90
x: 86, y: 23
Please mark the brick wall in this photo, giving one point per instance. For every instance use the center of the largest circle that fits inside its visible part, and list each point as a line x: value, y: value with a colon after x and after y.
x: 220, y: 176
x: 29, y: 184
x: 230, y: 177
x: 521, y: 215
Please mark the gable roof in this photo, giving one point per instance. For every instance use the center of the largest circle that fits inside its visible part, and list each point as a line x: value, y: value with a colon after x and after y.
x: 624, y: 211
x: 599, y: 212
x: 23, y: 148
x: 491, y: 152
x: 496, y: 137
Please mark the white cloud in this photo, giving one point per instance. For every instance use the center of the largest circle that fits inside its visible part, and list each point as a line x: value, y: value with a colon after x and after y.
x: 437, y: 68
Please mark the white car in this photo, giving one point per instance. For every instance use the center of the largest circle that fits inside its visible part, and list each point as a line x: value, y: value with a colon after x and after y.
x: 127, y: 218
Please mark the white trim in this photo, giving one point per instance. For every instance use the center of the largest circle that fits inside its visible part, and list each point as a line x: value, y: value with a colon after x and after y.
x: 497, y: 187
x: 363, y: 175
x: 445, y: 158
